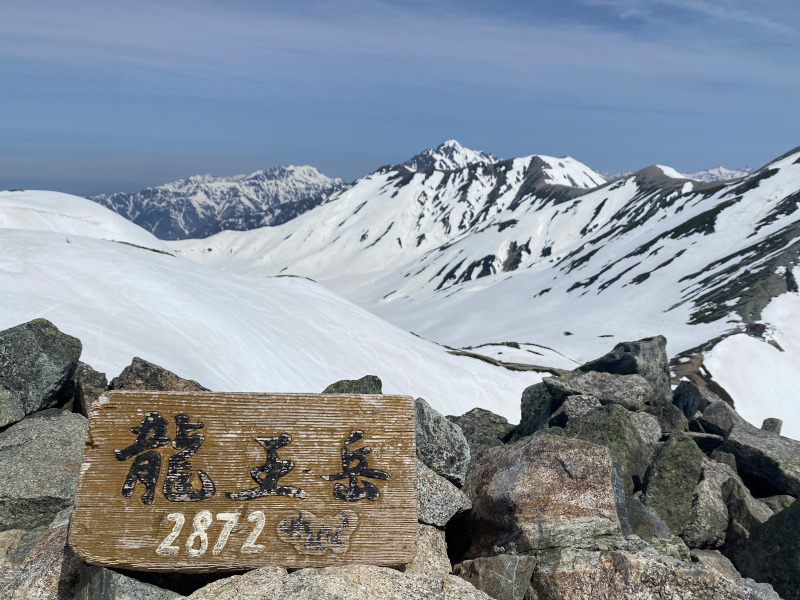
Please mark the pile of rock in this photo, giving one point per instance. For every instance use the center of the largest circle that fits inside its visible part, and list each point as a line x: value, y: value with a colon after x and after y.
x: 612, y: 486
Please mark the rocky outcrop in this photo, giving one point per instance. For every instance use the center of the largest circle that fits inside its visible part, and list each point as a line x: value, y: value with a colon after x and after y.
x: 354, y: 582
x: 614, y: 575
x: 89, y: 386
x: 483, y: 429
x: 545, y: 492
x: 440, y: 444
x: 369, y: 384
x: 146, y: 376
x: 36, y: 363
x: 39, y: 462
x: 42, y: 566
x: 431, y: 558
x: 438, y: 500
x: 672, y: 480
x: 505, y: 576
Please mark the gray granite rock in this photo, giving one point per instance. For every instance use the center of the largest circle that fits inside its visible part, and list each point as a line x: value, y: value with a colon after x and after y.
x: 36, y: 363
x: 582, y: 575
x: 40, y: 458
x: 646, y: 357
x: 89, y: 386
x: 431, y: 558
x: 441, y: 445
x: 354, y: 582
x: 707, y: 442
x: 672, y: 479
x: 483, y: 429
x: 369, y: 384
x: 99, y: 583
x: 716, y: 560
x: 537, y: 405
x: 543, y: 492
x: 726, y: 458
x: 690, y: 398
x: 146, y: 376
x: 708, y: 519
x: 573, y: 408
x: 647, y: 426
x: 779, y: 502
x: 765, y: 456
x: 46, y: 570
x: 610, y: 426
x: 772, y: 553
x: 719, y: 418
x: 772, y: 425
x: 644, y: 522
x: 632, y: 392
x: 753, y: 590
x: 505, y: 576
x: 620, y: 501
x: 438, y: 500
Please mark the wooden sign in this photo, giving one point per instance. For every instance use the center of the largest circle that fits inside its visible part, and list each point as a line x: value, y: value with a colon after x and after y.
x: 204, y: 481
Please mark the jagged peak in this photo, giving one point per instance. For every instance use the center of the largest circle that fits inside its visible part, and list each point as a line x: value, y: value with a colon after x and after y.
x: 448, y: 156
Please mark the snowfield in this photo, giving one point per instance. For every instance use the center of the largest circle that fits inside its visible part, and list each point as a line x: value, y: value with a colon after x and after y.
x: 229, y: 332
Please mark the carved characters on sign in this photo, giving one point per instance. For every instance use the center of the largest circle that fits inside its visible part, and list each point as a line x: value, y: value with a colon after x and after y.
x: 354, y: 492
x: 177, y: 487
x: 150, y: 433
x: 311, y: 535
x: 267, y: 475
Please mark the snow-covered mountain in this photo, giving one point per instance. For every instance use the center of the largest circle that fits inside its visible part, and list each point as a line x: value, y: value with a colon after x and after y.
x: 506, y: 252
x: 719, y: 174
x: 202, y: 205
x: 128, y: 297
x: 448, y: 156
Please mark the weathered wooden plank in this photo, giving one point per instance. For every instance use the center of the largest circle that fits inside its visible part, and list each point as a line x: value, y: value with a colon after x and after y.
x: 205, y: 482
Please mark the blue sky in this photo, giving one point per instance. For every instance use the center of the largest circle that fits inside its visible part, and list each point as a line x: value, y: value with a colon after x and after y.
x: 111, y: 96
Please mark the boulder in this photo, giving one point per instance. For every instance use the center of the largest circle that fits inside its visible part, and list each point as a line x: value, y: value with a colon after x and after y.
x: 431, y: 558
x: 505, y: 576
x: 716, y: 560
x: 45, y: 570
x: 89, y: 386
x: 36, y: 363
x: 440, y: 444
x: 646, y: 357
x: 647, y: 426
x: 772, y: 425
x: 611, y: 426
x: 769, y: 463
x: 145, y: 376
x: 543, y: 492
x: 536, y: 405
x: 690, y: 398
x: 369, y: 384
x: 438, y: 500
x: 672, y: 479
x: 779, y: 502
x: 40, y: 458
x: 726, y: 458
x: 353, y: 582
x: 719, y: 418
x: 633, y: 392
x: 99, y: 583
x: 633, y: 576
x: 643, y: 521
x: 483, y: 429
x: 772, y: 553
x: 708, y: 518
x: 574, y: 408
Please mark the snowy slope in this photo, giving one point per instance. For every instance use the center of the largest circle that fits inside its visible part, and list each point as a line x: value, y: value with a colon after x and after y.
x: 227, y: 331
x: 494, y: 253
x: 70, y: 215
x: 201, y: 205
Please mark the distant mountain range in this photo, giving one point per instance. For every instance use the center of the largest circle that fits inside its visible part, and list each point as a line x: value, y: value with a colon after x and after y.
x: 202, y: 205
x: 543, y: 254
